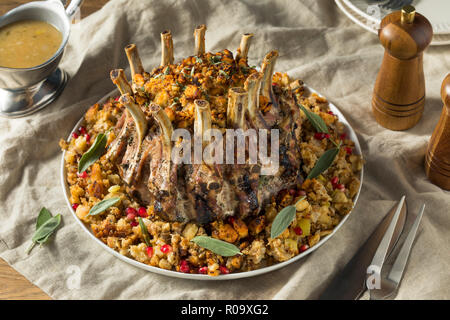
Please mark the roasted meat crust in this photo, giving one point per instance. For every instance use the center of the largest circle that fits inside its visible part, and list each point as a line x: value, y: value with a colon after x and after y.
x: 202, y: 92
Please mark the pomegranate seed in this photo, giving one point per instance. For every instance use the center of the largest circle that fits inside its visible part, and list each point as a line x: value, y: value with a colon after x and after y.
x: 166, y: 248
x: 304, y: 247
x: 348, y: 150
x: 292, y: 192
x: 116, y: 99
x: 82, y: 130
x: 184, y: 266
x: 231, y: 220
x: 327, y: 136
x: 334, y: 181
x: 203, y: 270
x: 319, y: 135
x: 274, y: 84
x: 131, y: 210
x: 343, y: 136
x: 150, y: 251
x: 88, y: 137
x: 331, y: 112
x: 142, y: 212
x: 75, y: 206
x: 134, y: 223
x: 224, y: 270
x: 340, y: 187
x: 298, y: 231
x: 74, y: 135
x: 83, y: 175
x: 131, y: 216
x: 301, y: 193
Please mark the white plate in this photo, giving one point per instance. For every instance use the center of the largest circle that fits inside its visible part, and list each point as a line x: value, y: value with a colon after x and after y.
x: 350, y: 133
x: 368, y: 15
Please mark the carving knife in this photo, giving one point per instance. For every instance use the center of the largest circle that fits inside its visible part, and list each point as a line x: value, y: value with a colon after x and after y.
x: 350, y: 283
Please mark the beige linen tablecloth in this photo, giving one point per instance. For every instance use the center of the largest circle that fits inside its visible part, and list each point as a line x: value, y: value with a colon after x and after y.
x: 318, y: 44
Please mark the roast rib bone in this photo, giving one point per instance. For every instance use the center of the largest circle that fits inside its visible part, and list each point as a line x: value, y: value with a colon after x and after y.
x: 140, y: 122
x: 119, y: 79
x: 134, y: 60
x: 138, y: 115
x: 199, y: 35
x: 267, y: 69
x: 237, y: 105
x: 252, y: 85
x: 167, y: 48
x: 166, y: 130
x: 242, y: 51
x: 125, y: 124
x: 202, y: 121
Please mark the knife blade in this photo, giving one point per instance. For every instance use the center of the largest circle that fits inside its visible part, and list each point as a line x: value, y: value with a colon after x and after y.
x: 349, y: 284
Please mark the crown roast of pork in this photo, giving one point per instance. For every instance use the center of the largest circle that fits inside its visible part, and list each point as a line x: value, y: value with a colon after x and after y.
x: 202, y: 92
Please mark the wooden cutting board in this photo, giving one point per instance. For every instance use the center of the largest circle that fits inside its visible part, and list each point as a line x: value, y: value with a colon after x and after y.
x: 12, y: 284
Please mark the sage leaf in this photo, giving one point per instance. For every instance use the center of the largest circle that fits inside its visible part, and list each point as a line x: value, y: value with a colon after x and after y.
x: 93, y: 154
x: 166, y: 71
x: 316, y: 121
x: 144, y: 232
x: 43, y: 216
x: 103, y: 205
x: 45, y: 226
x: 323, y: 163
x: 46, y: 229
x: 283, y: 219
x: 217, y: 246
x: 224, y: 74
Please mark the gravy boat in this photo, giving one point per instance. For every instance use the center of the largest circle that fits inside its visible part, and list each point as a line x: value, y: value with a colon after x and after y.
x: 27, y: 90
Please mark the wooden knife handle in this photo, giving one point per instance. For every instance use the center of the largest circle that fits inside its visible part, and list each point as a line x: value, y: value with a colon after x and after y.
x: 437, y: 159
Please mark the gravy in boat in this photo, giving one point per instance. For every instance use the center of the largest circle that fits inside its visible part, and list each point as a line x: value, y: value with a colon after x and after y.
x: 28, y: 43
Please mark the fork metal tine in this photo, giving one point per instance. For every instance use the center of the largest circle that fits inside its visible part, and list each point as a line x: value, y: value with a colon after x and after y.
x: 380, y: 254
x: 396, y: 272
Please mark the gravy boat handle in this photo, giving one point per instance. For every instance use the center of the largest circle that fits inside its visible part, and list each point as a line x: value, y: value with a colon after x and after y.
x: 73, y: 7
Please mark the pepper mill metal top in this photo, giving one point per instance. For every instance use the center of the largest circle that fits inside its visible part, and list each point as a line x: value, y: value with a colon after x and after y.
x: 408, y: 14
x: 437, y: 159
x: 399, y: 93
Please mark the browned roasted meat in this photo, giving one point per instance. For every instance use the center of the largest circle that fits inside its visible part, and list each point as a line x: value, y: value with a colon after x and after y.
x: 204, y: 191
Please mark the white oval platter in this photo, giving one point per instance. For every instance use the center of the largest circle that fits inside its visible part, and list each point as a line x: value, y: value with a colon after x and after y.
x: 350, y: 133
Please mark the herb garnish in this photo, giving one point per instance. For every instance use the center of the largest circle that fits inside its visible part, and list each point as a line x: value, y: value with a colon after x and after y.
x: 166, y: 71
x: 217, y: 246
x: 103, y: 205
x: 182, y: 87
x: 144, y: 232
x: 94, y: 153
x: 45, y: 226
x: 328, y: 157
x: 324, y: 162
x: 283, y: 219
x: 224, y: 74
x: 316, y: 121
x: 215, y: 60
x: 198, y: 60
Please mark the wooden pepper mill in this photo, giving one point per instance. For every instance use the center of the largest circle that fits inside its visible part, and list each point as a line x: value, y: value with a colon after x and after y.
x: 399, y: 94
x: 437, y: 159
